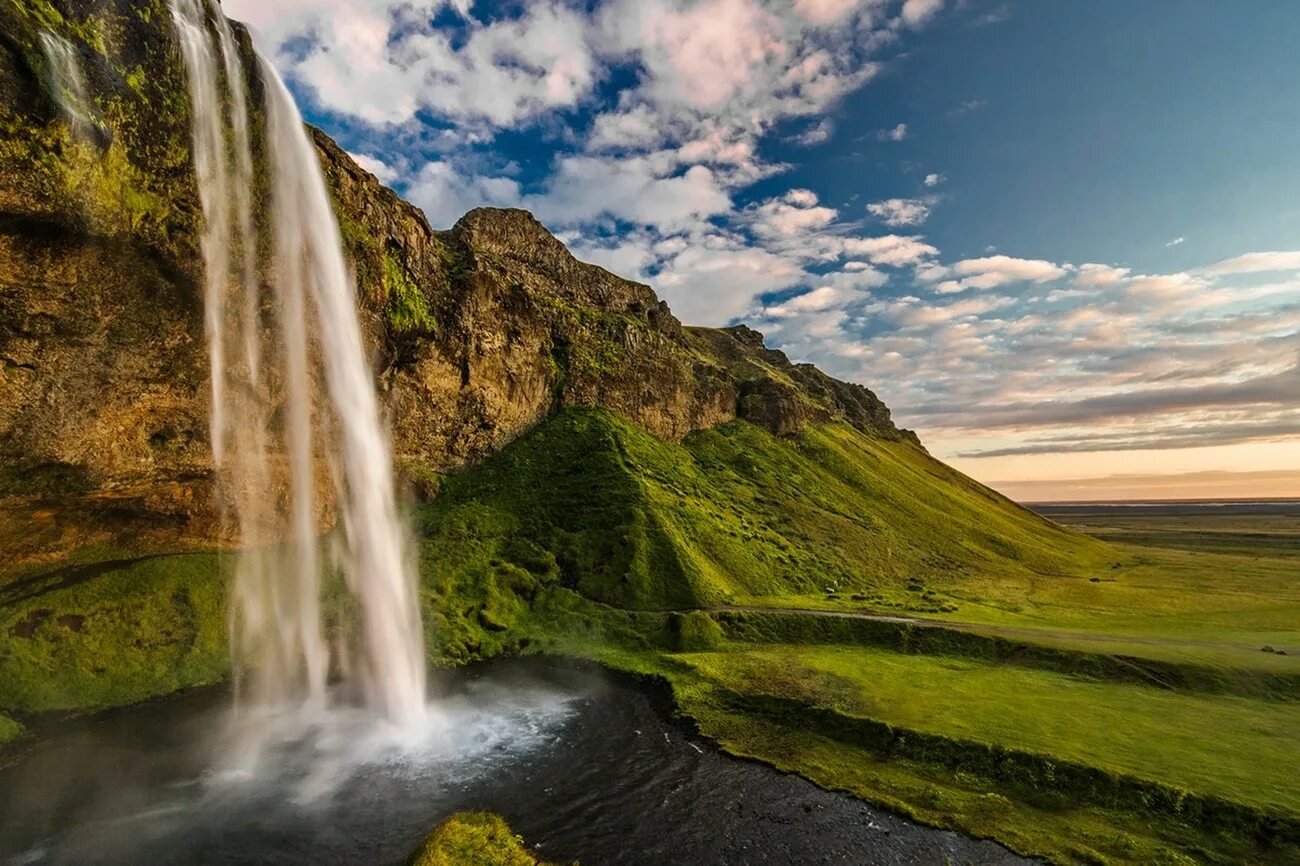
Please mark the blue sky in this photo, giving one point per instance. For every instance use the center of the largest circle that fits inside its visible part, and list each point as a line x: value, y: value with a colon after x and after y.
x: 1059, y: 239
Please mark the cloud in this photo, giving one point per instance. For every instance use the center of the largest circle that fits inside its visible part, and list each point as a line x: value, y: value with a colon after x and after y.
x: 891, y: 250
x: 993, y: 271
x: 445, y: 194
x: 897, y: 212
x: 635, y: 189
x: 917, y: 12
x: 897, y: 133
x: 825, y: 11
x: 822, y: 298
x: 815, y: 134
x: 1176, y: 241
x: 794, y: 214
x: 933, y: 180
x: 382, y: 171
x: 1251, y: 263
x: 968, y: 106
x: 1183, y: 485
x: 371, y: 61
x: 714, y: 280
x: 1099, y: 275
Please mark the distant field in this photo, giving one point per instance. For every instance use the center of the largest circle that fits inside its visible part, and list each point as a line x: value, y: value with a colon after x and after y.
x: 1266, y: 528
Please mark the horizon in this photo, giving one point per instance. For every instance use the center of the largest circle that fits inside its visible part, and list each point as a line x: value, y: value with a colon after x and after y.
x: 1007, y: 219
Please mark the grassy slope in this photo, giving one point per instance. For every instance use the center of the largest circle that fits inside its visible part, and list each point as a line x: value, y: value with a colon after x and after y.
x: 734, y: 514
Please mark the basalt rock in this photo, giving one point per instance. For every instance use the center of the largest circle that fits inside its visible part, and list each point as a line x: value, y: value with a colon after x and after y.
x: 477, y: 333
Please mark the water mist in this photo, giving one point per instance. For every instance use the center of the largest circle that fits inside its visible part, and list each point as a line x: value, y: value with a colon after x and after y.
x: 304, y: 366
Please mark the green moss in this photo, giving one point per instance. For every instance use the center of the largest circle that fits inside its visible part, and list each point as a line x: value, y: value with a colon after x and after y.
x: 136, y: 79
x: 474, y: 839
x: 694, y: 631
x: 458, y: 261
x: 407, y: 307
x: 43, y: 15
x: 115, y: 634
x: 9, y: 729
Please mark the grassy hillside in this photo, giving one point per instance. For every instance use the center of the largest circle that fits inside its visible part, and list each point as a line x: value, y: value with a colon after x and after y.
x: 734, y: 514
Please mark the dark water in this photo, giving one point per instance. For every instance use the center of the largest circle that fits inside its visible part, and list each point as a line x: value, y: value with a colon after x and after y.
x: 585, y: 765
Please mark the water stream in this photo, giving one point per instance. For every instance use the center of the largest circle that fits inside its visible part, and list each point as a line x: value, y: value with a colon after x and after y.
x: 294, y: 414
x: 583, y: 764
x: 66, y: 82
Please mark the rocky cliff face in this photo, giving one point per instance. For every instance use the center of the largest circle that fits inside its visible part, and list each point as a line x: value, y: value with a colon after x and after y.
x: 477, y: 333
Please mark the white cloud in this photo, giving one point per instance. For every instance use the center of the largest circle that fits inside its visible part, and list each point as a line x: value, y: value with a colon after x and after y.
x: 993, y: 271
x: 917, y: 12
x: 900, y: 211
x: 445, y: 194
x: 933, y: 180
x: 382, y: 171
x: 815, y: 134
x: 1176, y: 241
x: 897, y: 133
x: 373, y: 59
x: 1251, y: 263
x: 891, y: 250
x: 821, y: 298
x: 825, y: 11
x: 635, y: 189
x: 634, y: 128
x: 1099, y: 275
x: 794, y: 214
x: 715, y: 280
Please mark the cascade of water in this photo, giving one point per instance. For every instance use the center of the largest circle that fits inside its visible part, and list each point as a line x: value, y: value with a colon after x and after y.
x: 376, y: 566
x: 66, y: 82
x: 316, y: 365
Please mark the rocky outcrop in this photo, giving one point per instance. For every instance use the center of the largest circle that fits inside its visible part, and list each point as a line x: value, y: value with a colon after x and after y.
x: 477, y: 332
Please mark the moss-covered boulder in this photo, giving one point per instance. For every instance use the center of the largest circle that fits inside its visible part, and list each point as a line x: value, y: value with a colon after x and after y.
x: 474, y: 839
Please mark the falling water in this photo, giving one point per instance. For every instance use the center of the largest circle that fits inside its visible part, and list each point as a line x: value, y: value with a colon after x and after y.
x: 310, y: 371
x: 66, y: 82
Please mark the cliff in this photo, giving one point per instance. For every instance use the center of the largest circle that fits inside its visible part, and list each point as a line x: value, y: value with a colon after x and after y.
x: 477, y: 333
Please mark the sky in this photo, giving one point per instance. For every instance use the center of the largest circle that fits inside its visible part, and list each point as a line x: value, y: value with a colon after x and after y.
x: 1059, y: 240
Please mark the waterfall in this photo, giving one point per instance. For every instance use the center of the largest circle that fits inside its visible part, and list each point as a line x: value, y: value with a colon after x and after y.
x: 309, y: 372
x: 66, y: 82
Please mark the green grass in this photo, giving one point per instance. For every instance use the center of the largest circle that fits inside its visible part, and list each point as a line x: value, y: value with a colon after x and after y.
x: 474, y: 839
x: 138, y: 630
x: 735, y: 514
x: 407, y: 308
x: 1238, y: 748
x: 9, y: 729
x: 1046, y: 824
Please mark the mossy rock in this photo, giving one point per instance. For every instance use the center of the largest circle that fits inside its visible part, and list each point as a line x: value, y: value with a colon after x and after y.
x: 474, y: 839
x: 9, y: 729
